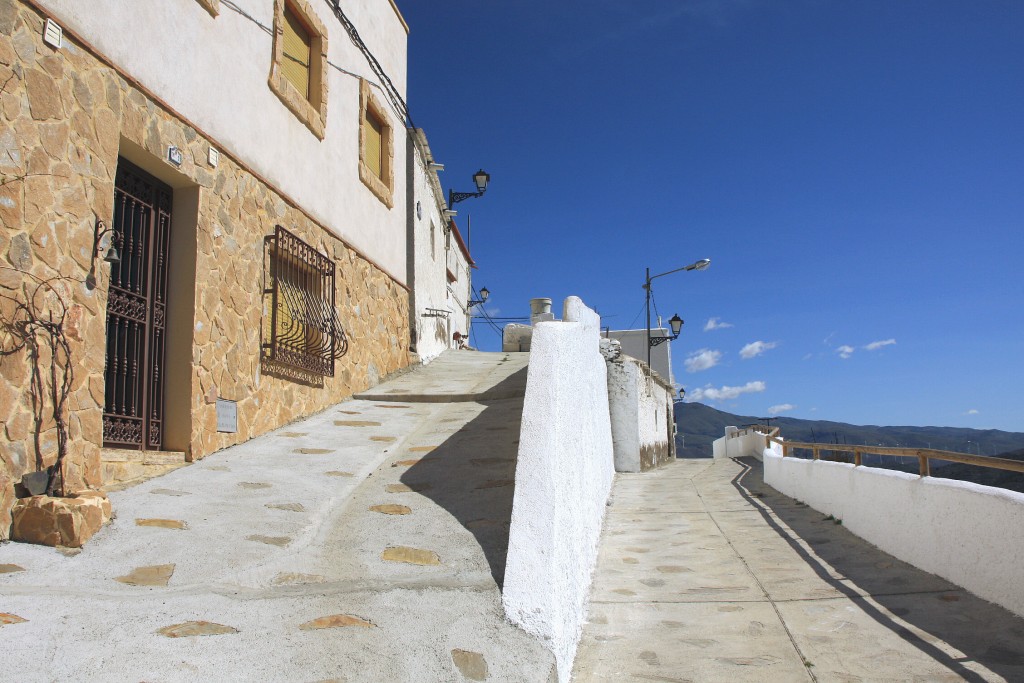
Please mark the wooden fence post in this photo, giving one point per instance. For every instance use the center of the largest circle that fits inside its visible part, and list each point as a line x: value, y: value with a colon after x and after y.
x: 923, y: 462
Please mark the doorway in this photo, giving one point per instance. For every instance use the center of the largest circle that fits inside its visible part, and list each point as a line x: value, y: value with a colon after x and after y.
x: 133, y: 411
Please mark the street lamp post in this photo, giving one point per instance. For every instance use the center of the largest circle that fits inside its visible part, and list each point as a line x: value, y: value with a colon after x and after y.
x: 697, y: 265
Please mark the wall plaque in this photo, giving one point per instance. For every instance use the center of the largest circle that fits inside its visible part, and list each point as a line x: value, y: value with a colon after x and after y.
x: 227, y: 416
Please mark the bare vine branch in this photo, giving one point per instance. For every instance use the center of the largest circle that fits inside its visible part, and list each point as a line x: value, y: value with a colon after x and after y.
x: 36, y: 323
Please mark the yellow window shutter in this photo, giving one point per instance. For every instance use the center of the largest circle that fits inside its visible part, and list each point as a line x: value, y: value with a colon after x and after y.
x: 295, y: 64
x: 374, y: 133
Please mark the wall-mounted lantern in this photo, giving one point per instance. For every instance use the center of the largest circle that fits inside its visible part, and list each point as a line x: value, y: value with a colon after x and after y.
x: 481, y: 178
x: 112, y: 255
x: 484, y: 293
x: 676, y: 324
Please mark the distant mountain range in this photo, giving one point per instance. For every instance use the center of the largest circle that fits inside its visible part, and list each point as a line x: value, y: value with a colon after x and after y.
x: 699, y: 425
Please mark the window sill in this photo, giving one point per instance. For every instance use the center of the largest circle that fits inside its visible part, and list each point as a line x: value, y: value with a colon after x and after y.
x: 314, y: 119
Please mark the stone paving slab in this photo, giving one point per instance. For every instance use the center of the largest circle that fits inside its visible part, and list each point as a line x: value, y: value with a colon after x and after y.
x: 803, y: 599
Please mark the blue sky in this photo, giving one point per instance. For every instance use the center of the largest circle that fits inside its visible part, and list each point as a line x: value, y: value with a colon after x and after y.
x: 854, y: 170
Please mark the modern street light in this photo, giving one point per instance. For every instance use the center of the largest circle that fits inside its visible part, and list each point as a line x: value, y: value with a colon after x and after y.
x: 697, y: 265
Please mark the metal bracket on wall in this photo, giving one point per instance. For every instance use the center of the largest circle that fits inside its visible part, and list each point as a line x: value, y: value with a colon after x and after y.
x: 435, y: 313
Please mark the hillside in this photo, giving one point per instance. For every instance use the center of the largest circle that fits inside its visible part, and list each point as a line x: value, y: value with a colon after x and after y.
x: 700, y: 425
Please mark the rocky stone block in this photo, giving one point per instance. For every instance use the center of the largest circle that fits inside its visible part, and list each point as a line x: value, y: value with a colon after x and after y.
x: 196, y: 628
x: 335, y: 621
x: 152, y: 575
x: 68, y: 522
x: 6, y: 619
x: 410, y: 555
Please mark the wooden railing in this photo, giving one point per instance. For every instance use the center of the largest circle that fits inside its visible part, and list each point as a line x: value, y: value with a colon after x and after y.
x: 923, y: 455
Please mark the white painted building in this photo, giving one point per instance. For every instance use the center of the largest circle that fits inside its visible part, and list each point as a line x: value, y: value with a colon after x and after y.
x: 633, y: 345
x: 218, y: 65
x: 439, y: 262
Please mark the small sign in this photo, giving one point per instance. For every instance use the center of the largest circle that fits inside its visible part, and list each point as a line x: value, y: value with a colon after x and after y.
x: 174, y: 155
x: 227, y: 416
x: 213, y: 157
x: 53, y: 34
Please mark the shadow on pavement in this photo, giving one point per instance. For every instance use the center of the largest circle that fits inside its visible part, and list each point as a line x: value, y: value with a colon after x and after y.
x: 472, y: 473
x: 983, y: 632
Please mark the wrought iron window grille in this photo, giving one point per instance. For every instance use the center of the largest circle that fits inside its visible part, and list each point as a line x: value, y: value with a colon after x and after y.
x: 301, y: 327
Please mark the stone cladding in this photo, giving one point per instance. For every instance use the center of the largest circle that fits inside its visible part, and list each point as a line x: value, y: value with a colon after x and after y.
x: 64, y: 116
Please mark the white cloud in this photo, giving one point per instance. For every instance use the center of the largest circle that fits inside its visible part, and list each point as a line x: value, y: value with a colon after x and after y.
x: 725, y: 393
x: 715, y: 324
x: 781, y: 408
x: 972, y: 411
x: 845, y: 351
x: 875, y: 345
x: 702, y: 360
x: 808, y: 356
x: 756, y: 349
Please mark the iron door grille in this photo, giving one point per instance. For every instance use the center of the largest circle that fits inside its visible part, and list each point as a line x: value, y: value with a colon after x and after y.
x: 301, y: 328
x: 136, y: 312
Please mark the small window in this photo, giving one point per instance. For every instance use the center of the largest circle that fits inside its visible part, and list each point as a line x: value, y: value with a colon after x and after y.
x: 300, y: 324
x: 298, y: 74
x: 433, y: 238
x: 376, y: 146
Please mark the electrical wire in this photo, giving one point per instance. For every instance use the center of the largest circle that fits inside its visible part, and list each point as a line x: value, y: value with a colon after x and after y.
x: 485, y: 315
x: 637, y: 316
x: 500, y: 331
x: 389, y: 90
x: 654, y: 303
x: 388, y: 87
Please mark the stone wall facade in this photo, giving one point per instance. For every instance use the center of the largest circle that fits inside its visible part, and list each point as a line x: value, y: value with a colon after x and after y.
x: 65, y: 118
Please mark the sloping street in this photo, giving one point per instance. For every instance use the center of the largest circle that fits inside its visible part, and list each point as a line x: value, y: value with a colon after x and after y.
x: 363, y: 544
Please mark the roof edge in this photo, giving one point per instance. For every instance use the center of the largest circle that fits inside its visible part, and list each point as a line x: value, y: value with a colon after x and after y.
x: 462, y: 244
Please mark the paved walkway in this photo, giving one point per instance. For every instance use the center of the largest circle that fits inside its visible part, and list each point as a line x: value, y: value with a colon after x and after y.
x: 366, y: 543
x: 707, y: 574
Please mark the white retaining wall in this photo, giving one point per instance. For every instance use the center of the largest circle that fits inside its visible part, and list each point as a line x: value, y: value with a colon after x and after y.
x: 969, y: 534
x: 563, y: 479
x: 738, y: 443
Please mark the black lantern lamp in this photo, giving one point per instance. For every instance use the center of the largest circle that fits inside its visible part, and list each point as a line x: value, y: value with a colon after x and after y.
x: 484, y: 293
x: 676, y: 325
x: 481, y: 178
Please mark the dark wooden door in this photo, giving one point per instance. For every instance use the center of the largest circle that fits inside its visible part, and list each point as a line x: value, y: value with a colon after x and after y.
x: 136, y: 312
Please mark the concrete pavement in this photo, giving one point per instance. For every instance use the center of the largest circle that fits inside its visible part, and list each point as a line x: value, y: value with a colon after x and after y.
x: 365, y: 543
x: 707, y: 574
